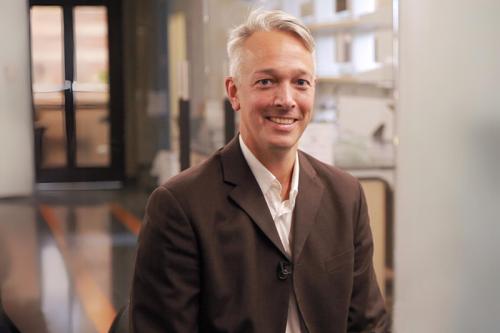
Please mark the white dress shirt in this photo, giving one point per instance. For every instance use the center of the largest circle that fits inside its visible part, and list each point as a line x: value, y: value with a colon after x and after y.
x: 281, y: 212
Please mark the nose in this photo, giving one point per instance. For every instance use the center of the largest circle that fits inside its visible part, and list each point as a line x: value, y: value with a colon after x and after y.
x: 284, y: 97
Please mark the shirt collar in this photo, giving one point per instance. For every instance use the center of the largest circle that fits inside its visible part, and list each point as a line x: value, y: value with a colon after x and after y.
x: 265, y: 178
x: 294, y: 186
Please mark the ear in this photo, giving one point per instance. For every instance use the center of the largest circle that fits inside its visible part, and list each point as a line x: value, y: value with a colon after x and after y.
x: 232, y: 92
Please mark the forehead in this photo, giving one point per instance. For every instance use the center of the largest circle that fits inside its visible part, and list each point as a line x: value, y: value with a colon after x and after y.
x: 275, y: 49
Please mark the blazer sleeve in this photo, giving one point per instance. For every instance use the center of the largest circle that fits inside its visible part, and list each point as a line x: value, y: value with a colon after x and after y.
x: 166, y: 284
x: 367, y: 309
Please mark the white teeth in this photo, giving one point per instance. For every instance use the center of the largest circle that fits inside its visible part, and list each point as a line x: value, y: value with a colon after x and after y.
x: 282, y: 121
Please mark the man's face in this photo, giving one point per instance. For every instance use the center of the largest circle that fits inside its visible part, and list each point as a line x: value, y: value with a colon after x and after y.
x: 273, y: 91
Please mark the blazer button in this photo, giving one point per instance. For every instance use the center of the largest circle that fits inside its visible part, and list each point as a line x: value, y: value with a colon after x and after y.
x: 284, y: 270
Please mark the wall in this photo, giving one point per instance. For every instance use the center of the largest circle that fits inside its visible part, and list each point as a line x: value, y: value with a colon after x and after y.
x: 16, y: 127
x: 448, y: 184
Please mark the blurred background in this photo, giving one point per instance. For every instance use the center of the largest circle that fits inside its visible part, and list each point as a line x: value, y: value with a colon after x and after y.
x: 102, y: 100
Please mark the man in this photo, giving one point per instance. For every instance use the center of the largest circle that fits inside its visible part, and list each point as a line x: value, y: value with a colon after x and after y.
x: 260, y: 237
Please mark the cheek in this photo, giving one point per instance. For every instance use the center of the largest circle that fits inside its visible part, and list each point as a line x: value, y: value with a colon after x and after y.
x: 306, y: 103
x: 261, y: 100
x: 252, y: 100
x: 251, y: 112
x: 256, y: 107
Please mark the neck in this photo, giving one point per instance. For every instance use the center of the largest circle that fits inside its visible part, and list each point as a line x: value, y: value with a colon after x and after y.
x: 280, y: 163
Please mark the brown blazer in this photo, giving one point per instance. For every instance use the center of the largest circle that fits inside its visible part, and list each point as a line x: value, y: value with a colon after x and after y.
x: 209, y: 254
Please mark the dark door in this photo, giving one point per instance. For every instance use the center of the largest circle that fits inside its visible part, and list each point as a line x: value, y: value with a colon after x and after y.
x: 77, y: 90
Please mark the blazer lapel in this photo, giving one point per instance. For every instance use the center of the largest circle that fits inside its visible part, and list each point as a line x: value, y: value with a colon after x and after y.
x: 306, y: 206
x: 246, y: 192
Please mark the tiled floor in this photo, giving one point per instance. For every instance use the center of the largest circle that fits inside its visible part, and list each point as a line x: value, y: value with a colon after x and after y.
x: 66, y: 258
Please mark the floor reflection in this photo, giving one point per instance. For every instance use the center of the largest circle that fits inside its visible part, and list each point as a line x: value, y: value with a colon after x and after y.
x: 66, y: 259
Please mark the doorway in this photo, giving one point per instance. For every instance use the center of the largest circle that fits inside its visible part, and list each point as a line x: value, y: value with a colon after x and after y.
x: 76, y: 66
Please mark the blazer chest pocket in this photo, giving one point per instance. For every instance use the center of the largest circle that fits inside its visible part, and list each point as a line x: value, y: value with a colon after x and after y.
x: 339, y: 261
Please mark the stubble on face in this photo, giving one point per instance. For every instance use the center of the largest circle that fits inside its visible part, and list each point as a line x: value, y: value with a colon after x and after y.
x: 275, y: 92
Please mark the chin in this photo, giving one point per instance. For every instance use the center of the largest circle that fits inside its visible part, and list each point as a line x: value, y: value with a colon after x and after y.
x: 283, y: 145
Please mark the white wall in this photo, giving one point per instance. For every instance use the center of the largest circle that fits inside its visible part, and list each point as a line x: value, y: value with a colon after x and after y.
x: 447, y: 255
x: 16, y: 134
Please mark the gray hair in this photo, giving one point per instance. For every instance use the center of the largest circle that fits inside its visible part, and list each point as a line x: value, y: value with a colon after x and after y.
x: 264, y: 20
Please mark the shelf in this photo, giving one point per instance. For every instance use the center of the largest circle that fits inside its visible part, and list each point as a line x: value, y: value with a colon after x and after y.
x: 380, y: 77
x: 351, y: 80
x: 379, y: 20
x: 385, y: 173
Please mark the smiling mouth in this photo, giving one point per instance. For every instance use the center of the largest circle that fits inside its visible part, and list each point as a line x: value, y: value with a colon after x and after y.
x: 281, y: 120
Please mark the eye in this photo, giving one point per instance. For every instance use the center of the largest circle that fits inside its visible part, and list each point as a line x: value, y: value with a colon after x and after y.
x: 264, y: 82
x: 303, y: 83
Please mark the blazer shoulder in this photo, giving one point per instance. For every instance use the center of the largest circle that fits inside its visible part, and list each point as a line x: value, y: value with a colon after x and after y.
x: 192, y: 176
x: 329, y: 171
x: 338, y: 183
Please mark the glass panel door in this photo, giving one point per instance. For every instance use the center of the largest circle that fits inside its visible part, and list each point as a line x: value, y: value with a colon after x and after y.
x: 77, y: 90
x: 91, y: 87
x: 48, y: 85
